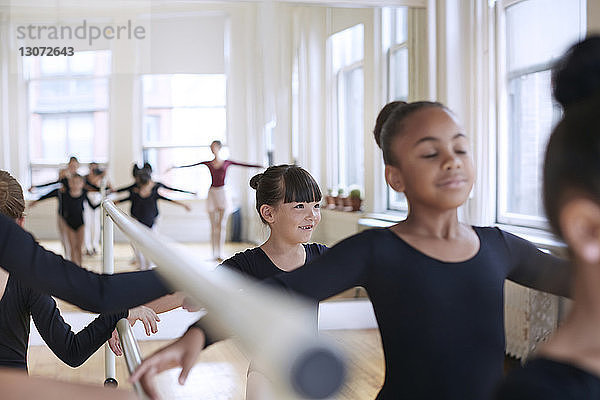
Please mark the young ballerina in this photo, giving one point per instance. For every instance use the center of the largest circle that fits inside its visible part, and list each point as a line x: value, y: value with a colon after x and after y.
x: 218, y: 203
x: 71, y: 198
x: 288, y: 201
x: 144, y: 196
x: 436, y: 284
x: 567, y: 366
x: 18, y: 304
x: 63, y: 175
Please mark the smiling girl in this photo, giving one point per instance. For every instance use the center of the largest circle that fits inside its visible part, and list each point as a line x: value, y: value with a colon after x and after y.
x: 436, y: 284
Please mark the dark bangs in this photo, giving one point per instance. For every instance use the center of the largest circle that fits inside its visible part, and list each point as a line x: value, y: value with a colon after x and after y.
x: 300, y: 187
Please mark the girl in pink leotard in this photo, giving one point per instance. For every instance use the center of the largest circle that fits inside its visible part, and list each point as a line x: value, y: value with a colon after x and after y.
x: 218, y: 203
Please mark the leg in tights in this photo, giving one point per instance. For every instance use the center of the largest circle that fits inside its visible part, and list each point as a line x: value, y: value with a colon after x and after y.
x: 221, y: 220
x: 64, y: 239
x: 76, y: 243
x: 212, y: 218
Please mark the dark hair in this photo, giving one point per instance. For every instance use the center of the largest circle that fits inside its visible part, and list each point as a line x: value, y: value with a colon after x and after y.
x: 146, y: 169
x: 12, y: 203
x: 217, y: 142
x: 390, y: 123
x: 572, y: 161
x: 576, y: 75
x: 287, y: 183
x: 73, y: 158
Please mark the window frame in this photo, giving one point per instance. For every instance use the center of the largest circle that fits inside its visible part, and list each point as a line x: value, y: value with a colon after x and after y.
x: 69, y: 77
x: 504, y: 78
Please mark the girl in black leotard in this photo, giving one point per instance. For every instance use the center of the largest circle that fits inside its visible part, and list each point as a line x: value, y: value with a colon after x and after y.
x: 288, y: 201
x: 70, y: 207
x: 567, y: 366
x: 18, y: 303
x: 63, y: 175
x: 144, y: 196
x: 436, y: 284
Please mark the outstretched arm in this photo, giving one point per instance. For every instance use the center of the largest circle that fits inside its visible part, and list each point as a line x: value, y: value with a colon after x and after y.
x: 189, y: 165
x: 162, y: 185
x: 246, y: 165
x: 49, y: 273
x: 536, y: 269
x: 72, y: 348
x: 179, y: 203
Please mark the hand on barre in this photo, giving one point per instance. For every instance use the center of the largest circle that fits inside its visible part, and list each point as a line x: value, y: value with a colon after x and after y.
x: 148, y: 317
x: 115, y: 344
x: 189, y: 305
x: 181, y: 353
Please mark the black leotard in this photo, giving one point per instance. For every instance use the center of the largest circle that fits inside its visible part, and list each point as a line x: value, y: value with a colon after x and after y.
x: 145, y: 209
x: 47, y: 272
x: 544, y: 379
x: 255, y: 262
x: 441, y: 323
x: 70, y: 208
x: 19, y: 303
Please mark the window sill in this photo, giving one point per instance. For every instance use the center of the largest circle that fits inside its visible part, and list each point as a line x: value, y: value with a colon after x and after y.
x: 541, y: 238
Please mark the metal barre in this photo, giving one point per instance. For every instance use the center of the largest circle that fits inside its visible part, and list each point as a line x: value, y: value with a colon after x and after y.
x: 131, y: 352
x: 275, y: 329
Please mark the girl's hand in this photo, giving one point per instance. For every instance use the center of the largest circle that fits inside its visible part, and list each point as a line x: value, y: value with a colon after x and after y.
x: 147, y: 316
x: 189, y: 305
x: 181, y: 353
x: 187, y: 207
x: 115, y: 344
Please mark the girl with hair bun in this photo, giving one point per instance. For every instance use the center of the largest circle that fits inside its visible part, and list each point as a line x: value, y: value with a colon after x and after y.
x: 218, y: 204
x: 18, y: 303
x: 144, y: 195
x: 567, y: 366
x: 287, y: 201
x: 436, y: 284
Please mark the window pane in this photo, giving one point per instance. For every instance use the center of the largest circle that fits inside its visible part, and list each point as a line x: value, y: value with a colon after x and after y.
x: 183, y: 90
x: 63, y: 95
x: 401, y: 25
x: 351, y: 128
x: 399, y: 74
x: 541, y: 30
x: 532, y: 117
x: 49, y: 145
x: 347, y: 47
x: 81, y: 136
x: 184, y: 126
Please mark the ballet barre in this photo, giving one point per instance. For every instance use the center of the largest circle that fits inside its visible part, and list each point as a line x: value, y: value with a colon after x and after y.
x: 276, y: 330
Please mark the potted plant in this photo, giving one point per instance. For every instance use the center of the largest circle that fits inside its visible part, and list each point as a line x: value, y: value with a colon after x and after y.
x: 330, y: 199
x: 355, y: 199
x: 339, y: 200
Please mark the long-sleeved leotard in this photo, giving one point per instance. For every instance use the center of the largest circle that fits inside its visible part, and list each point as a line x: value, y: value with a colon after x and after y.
x: 218, y: 174
x: 49, y: 273
x: 19, y: 303
x: 145, y: 209
x: 441, y: 323
x: 70, y: 208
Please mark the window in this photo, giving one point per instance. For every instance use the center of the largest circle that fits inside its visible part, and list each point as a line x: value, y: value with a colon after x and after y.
x: 395, y: 46
x: 183, y: 114
x: 68, y: 111
x: 532, y: 44
x: 347, y: 64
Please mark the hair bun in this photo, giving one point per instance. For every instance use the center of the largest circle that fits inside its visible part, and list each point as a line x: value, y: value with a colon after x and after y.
x: 255, y: 180
x: 383, y: 116
x: 576, y: 76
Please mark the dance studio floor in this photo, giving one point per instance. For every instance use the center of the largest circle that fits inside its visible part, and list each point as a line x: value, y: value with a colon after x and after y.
x: 221, y: 369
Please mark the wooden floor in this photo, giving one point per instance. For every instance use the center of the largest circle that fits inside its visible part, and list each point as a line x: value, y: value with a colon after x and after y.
x: 221, y: 369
